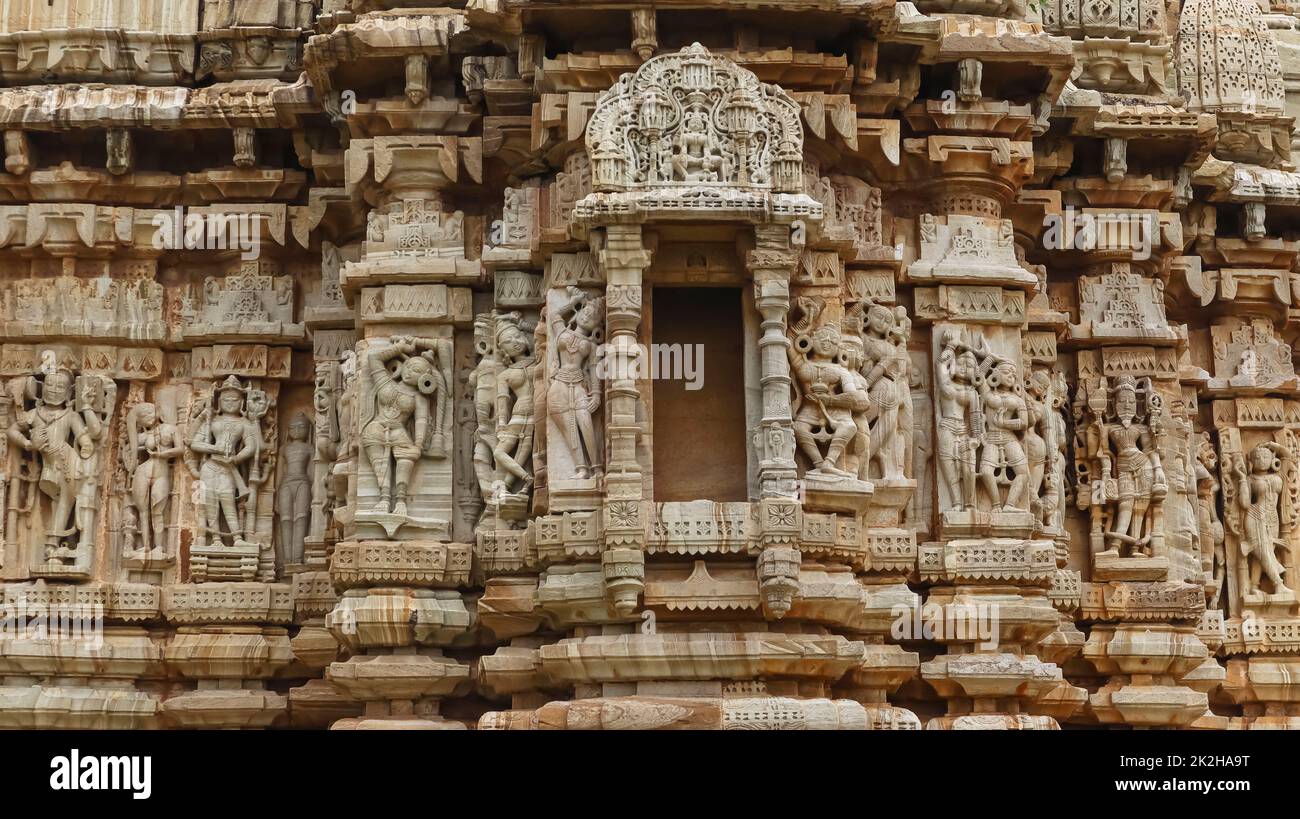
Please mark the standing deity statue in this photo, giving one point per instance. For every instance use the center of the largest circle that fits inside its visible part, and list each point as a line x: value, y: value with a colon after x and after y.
x: 1039, y: 449
x: 256, y: 408
x: 294, y: 494
x: 514, y: 412
x: 1262, y: 533
x: 403, y: 414
x: 1139, y: 475
x: 907, y: 420
x: 884, y: 370
x: 63, y: 431
x: 828, y: 394
x: 857, y: 458
x: 1213, y: 552
x: 573, y: 395
x: 223, y: 455
x: 1121, y: 442
x: 1007, y: 419
x: 151, y: 446
x: 959, y: 425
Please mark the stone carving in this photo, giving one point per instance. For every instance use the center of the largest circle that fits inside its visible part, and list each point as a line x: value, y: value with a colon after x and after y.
x: 1046, y: 443
x: 921, y: 508
x: 404, y: 415
x: 420, y: 228
x: 695, y: 118
x: 325, y: 441
x: 1251, y: 355
x: 1226, y: 56
x: 1213, y: 556
x: 959, y: 422
x: 1258, y: 517
x: 573, y: 395
x: 884, y: 369
x: 226, y: 455
x: 343, y: 469
x: 61, y: 428
x: 1118, y: 433
x: 828, y: 395
x: 384, y: 467
x: 482, y: 383
x: 71, y: 306
x: 293, y: 495
x: 249, y: 302
x: 1003, y: 457
x: 151, y: 447
x: 515, y: 412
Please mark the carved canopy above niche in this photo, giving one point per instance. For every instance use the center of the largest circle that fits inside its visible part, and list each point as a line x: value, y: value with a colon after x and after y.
x: 693, y: 118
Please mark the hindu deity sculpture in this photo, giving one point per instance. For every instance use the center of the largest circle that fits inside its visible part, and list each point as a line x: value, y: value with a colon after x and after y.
x: 402, y: 415
x: 959, y: 426
x: 1259, y: 499
x: 224, y: 455
x: 514, y: 436
x: 573, y: 395
x: 884, y: 368
x: 294, y: 494
x: 1119, y: 442
x: 1003, y: 460
x: 828, y: 395
x: 151, y: 447
x: 64, y: 430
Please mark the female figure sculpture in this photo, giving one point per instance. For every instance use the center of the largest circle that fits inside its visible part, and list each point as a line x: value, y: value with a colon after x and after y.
x: 397, y: 420
x: 885, y: 369
x: 151, y: 445
x: 573, y: 395
x: 1259, y: 495
x: 960, y: 424
x: 514, y: 444
x: 1007, y: 418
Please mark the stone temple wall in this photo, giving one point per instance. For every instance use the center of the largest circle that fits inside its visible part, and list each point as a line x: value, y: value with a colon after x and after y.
x: 327, y: 333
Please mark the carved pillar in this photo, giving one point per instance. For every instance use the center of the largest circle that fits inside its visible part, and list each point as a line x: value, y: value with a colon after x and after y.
x: 396, y: 568
x: 771, y: 264
x: 623, y: 259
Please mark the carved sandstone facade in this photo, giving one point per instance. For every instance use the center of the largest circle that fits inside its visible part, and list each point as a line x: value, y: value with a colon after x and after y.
x: 514, y: 364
